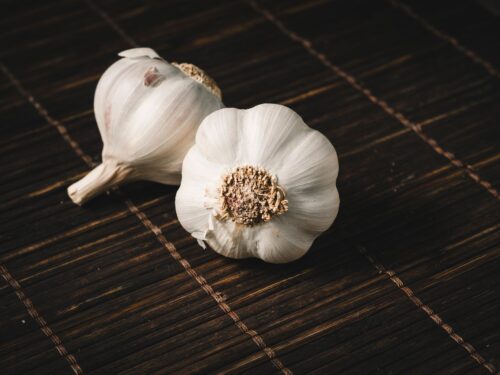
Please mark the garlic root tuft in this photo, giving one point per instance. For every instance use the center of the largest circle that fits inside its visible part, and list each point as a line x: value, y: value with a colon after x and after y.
x: 100, y: 179
x: 200, y: 76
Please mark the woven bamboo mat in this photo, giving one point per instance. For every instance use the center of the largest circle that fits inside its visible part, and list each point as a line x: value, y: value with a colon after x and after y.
x: 406, y: 281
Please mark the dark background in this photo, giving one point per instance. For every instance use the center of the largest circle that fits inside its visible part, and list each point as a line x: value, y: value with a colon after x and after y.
x: 407, y: 279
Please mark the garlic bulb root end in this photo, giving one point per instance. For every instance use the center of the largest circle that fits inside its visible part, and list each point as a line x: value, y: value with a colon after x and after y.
x: 200, y: 76
x: 250, y: 195
x: 97, y: 181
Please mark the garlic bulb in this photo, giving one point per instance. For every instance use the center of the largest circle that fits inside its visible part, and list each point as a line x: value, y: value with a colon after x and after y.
x: 147, y: 111
x: 258, y: 183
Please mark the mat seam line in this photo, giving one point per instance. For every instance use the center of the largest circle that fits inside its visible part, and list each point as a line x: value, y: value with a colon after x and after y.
x: 42, y: 323
x: 473, y: 56
x: 417, y: 129
x: 111, y: 23
x: 469, y: 348
x: 207, y: 288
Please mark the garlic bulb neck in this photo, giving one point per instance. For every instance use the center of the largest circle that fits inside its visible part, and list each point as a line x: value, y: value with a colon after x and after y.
x: 100, y: 179
x: 250, y: 195
x: 200, y: 76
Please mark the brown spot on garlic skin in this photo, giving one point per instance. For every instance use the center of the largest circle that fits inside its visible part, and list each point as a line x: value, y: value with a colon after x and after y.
x: 152, y: 77
x: 250, y: 195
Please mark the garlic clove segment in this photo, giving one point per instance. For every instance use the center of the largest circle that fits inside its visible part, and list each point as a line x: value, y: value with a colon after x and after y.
x: 147, y: 112
x: 258, y: 183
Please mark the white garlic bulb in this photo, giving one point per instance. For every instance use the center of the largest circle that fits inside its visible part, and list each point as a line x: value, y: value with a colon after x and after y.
x: 147, y: 111
x: 258, y: 183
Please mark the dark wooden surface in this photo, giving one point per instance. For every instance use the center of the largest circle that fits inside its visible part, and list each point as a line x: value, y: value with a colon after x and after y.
x: 406, y: 281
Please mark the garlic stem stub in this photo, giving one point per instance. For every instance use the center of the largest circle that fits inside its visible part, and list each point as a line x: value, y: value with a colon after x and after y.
x: 258, y: 183
x: 147, y: 111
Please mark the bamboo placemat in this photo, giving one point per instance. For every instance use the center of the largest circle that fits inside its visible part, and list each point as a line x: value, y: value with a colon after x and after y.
x: 406, y: 280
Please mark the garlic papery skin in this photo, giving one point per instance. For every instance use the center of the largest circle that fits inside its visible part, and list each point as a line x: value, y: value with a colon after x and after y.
x: 258, y: 183
x: 147, y: 112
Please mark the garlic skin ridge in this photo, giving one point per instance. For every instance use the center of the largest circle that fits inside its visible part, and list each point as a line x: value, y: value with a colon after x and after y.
x: 274, y: 139
x: 147, y: 112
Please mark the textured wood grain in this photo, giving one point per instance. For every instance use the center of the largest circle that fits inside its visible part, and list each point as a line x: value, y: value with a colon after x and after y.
x: 405, y: 281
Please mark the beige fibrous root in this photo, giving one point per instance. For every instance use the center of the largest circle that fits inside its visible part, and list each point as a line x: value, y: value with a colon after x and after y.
x: 250, y: 195
x: 200, y: 76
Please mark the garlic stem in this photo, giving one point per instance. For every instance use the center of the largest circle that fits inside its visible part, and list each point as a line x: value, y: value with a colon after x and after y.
x: 100, y: 179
